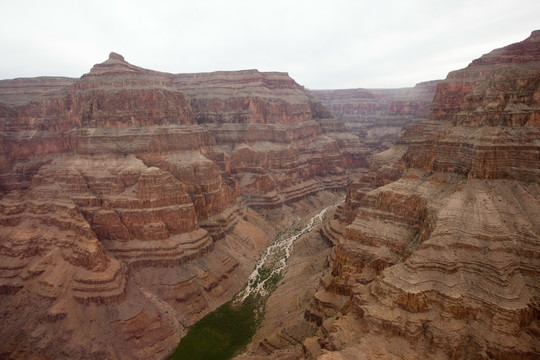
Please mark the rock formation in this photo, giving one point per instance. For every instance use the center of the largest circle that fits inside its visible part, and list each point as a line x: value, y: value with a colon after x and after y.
x: 123, y: 195
x: 379, y: 116
x: 441, y: 260
x: 273, y: 138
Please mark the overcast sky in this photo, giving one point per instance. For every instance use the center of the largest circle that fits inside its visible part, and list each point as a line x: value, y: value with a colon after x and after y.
x: 321, y: 44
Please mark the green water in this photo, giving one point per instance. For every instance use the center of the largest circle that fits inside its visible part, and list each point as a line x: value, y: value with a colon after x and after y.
x: 222, y: 333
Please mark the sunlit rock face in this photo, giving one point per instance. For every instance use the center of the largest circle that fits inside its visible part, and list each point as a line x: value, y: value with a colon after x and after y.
x: 123, y: 196
x: 442, y: 260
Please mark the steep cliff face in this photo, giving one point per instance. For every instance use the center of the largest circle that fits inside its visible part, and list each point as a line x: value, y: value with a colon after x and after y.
x: 441, y: 261
x: 488, y: 114
x: 379, y: 116
x: 123, y: 193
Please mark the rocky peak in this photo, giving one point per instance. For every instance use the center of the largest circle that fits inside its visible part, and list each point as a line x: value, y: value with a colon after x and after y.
x: 535, y: 36
x: 516, y: 53
x: 115, y: 64
x: 118, y: 94
x: 116, y: 56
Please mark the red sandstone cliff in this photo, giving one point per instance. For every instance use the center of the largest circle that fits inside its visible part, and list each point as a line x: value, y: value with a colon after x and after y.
x: 122, y: 199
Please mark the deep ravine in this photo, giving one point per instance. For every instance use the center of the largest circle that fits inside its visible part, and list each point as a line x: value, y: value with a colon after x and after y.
x: 227, y: 330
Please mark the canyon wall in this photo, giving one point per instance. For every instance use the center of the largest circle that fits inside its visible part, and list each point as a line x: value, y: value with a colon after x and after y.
x: 126, y: 199
x: 379, y: 116
x: 443, y: 262
x: 273, y: 138
x: 436, y: 248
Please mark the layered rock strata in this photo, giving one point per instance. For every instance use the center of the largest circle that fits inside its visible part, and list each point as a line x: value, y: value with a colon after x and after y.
x: 379, y: 116
x: 123, y: 215
x: 273, y: 138
x: 442, y: 261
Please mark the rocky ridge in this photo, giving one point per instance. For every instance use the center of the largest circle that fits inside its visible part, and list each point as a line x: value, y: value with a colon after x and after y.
x: 123, y: 199
x: 436, y: 251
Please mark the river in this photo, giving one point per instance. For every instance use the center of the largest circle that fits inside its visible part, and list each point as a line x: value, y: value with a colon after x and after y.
x: 274, y: 260
x: 228, y: 329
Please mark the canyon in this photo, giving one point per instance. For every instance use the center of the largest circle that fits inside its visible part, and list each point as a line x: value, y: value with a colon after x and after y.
x: 434, y: 253
x: 379, y: 116
x: 128, y: 195
x: 133, y: 202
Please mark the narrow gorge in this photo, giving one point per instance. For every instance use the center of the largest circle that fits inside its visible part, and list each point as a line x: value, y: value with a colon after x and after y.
x: 135, y: 202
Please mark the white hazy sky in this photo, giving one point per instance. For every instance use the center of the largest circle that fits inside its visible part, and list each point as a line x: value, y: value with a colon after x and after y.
x: 321, y: 44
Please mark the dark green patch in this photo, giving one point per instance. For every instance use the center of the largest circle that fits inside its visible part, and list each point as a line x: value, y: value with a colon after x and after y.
x: 222, y: 333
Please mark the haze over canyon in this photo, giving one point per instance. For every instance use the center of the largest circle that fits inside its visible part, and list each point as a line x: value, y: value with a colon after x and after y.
x: 134, y: 202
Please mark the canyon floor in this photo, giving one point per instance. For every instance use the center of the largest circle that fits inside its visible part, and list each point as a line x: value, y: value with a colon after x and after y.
x: 284, y: 329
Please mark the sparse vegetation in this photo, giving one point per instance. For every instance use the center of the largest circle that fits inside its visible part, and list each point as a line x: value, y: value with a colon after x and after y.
x: 272, y: 282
